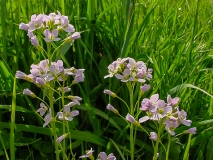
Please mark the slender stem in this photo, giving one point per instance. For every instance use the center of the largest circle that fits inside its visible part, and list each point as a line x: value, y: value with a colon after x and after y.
x: 168, y: 147
x: 132, y: 141
x: 5, y: 151
x: 62, y: 99
x: 12, y: 123
x: 70, y: 138
x: 53, y: 122
x: 49, y: 53
x: 58, y: 48
x: 158, y: 141
x: 132, y: 145
x: 124, y: 103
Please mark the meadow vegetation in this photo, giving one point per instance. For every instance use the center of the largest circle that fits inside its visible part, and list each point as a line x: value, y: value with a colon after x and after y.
x: 173, y: 37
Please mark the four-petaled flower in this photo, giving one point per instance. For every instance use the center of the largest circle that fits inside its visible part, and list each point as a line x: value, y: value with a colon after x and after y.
x: 51, y: 36
x: 67, y: 115
x: 42, y: 110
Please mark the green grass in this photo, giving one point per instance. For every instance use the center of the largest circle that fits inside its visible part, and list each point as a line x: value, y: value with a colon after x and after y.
x: 173, y: 37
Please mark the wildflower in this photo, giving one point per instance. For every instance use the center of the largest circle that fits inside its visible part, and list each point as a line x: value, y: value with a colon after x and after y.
x: 149, y: 74
x: 153, y: 136
x: 79, y: 75
x: 24, y: 26
x: 191, y: 130
x: 116, y: 67
x: 103, y: 156
x: 162, y: 110
x: 111, y: 108
x: 150, y: 104
x: 22, y: 75
x: 73, y: 37
x: 48, y: 118
x: 88, y: 154
x: 64, y: 24
x: 106, y: 91
x: 36, y: 22
x: 51, y: 36
x: 145, y: 87
x: 172, y: 101
x: 71, y: 104
x: 29, y: 93
x: 40, y: 69
x: 64, y: 89
x: 34, y: 41
x: 144, y: 119
x: 133, y: 65
x: 67, y: 115
x: 75, y: 99
x: 61, y: 138
x: 131, y: 119
x: 171, y: 126
x: 40, y: 81
x: 182, y: 118
x: 126, y: 76
x: 42, y: 110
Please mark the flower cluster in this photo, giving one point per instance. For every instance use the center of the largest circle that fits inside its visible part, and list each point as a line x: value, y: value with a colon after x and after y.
x: 127, y: 69
x: 43, y: 73
x: 50, y: 26
x: 169, y: 113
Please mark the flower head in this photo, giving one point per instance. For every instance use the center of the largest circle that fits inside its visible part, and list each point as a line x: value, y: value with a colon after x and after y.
x: 153, y: 136
x: 191, y: 130
x: 131, y: 119
x: 106, y: 91
x: 29, y: 93
x: 103, y: 156
x: 48, y: 118
x: 51, y: 36
x: 42, y: 110
x: 111, y: 108
x: 145, y: 87
x: 88, y: 153
x: 67, y: 115
x: 172, y: 101
x: 61, y: 138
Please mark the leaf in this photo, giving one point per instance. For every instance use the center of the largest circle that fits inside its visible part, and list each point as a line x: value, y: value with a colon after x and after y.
x: 209, y: 151
x: 181, y: 87
x: 43, y: 146
x: 18, y: 108
x: 1, y: 152
x: 202, y: 136
x: 174, y: 151
x: 119, y: 151
x: 25, y: 141
x: 79, y: 135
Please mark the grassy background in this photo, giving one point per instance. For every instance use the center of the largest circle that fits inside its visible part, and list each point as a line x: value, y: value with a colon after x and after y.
x: 174, y: 37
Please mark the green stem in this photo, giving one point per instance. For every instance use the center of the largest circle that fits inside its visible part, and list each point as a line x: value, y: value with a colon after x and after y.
x: 64, y: 142
x: 124, y: 103
x: 70, y: 138
x: 132, y: 141
x: 12, y: 123
x: 168, y: 147
x: 53, y: 122
x: 5, y: 151
x: 49, y: 53
x: 158, y: 141
x: 132, y: 145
